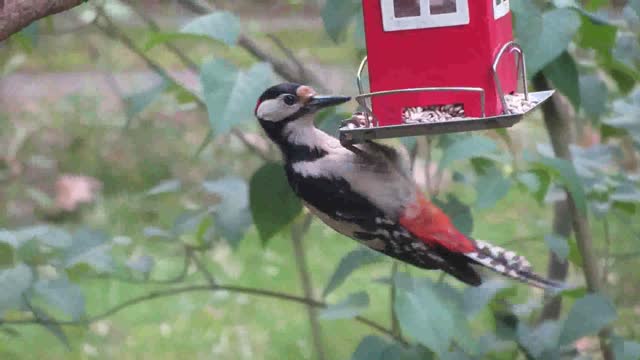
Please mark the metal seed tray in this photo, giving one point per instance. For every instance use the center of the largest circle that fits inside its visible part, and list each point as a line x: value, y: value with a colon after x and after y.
x: 359, y: 135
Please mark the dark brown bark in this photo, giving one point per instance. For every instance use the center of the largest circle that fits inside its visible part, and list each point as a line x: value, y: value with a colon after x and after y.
x: 558, y: 112
x: 15, y: 15
x: 559, y: 131
x: 557, y: 269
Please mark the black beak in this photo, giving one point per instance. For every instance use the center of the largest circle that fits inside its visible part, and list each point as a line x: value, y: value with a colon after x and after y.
x: 318, y: 102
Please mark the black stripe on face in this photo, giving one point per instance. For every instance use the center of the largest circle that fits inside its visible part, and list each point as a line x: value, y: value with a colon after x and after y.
x: 292, y: 152
x: 296, y: 153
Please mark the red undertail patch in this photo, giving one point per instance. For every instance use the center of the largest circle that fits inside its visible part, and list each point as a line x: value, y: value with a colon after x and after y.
x: 431, y: 225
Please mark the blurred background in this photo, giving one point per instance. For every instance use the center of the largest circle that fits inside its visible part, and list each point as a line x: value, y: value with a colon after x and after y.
x: 144, y: 215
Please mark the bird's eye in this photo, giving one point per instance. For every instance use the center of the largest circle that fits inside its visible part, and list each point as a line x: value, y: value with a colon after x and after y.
x: 289, y: 100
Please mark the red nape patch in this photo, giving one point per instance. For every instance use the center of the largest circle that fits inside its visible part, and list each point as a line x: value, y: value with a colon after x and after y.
x: 431, y: 225
x: 255, y: 111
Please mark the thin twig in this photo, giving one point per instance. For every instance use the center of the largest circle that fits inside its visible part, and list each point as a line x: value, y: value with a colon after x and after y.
x: 298, y: 230
x: 205, y: 272
x: 112, y: 31
x: 395, y: 324
x: 288, y: 53
x: 282, y: 68
x: 607, y: 251
x: 190, y: 64
x: 181, y: 276
x: 196, y: 288
x: 266, y: 156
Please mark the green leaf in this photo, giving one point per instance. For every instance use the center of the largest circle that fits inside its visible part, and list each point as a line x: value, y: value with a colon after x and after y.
x: 14, y: 282
x: 141, y: 263
x: 232, y: 215
x: 7, y: 255
x: 28, y: 37
x: 136, y: 103
x: 91, y: 248
x: 624, y: 349
x: 337, y: 15
x: 558, y: 244
x: 537, y: 181
x: 32, y: 253
x: 635, y: 5
x: 431, y: 315
x: 51, y: 326
x: 273, y: 203
x: 626, y: 77
x: 377, y: 348
x: 491, y: 187
x: 349, y: 308
x: 587, y: 316
x: 223, y: 26
x: 202, y: 235
x: 459, y: 213
x: 220, y: 26
x: 352, y: 261
x: 568, y: 177
x: 543, y: 36
x: 594, y: 93
x: 467, y: 148
x: 187, y: 222
x: 597, y: 34
x: 477, y: 298
x: 541, y: 340
x: 152, y: 231
x: 370, y: 348
x: 63, y: 295
x: 574, y: 254
x: 359, y: 34
x: 231, y: 94
x: 157, y: 38
x: 563, y: 73
x: 167, y: 186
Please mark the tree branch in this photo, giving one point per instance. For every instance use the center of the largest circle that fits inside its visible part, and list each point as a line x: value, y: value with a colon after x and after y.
x: 197, y: 288
x: 15, y: 15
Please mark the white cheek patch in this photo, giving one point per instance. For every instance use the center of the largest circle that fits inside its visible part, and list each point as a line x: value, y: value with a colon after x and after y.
x: 275, y: 110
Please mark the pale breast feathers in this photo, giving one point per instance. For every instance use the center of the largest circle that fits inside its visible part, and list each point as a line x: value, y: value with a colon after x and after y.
x: 383, y: 180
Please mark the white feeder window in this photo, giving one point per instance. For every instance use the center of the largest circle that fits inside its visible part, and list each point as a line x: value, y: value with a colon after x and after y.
x: 422, y: 14
x: 438, y: 7
x: 500, y: 8
x: 406, y: 8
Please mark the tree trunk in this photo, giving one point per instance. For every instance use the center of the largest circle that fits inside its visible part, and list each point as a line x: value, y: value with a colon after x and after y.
x: 559, y: 130
x: 558, y: 112
x: 557, y: 269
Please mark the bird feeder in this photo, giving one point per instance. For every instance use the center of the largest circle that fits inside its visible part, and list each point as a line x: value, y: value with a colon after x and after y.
x: 439, y: 66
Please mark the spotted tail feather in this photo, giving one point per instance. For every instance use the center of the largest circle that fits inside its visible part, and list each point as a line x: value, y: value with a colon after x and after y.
x: 510, y: 264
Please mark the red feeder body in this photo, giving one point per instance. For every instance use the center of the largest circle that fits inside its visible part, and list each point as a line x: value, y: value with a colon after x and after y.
x: 437, y: 43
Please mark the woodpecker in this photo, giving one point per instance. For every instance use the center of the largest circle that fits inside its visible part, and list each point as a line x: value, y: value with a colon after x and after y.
x: 367, y: 193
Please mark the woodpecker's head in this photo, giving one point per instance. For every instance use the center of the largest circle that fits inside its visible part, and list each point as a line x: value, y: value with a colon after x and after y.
x: 284, y: 104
